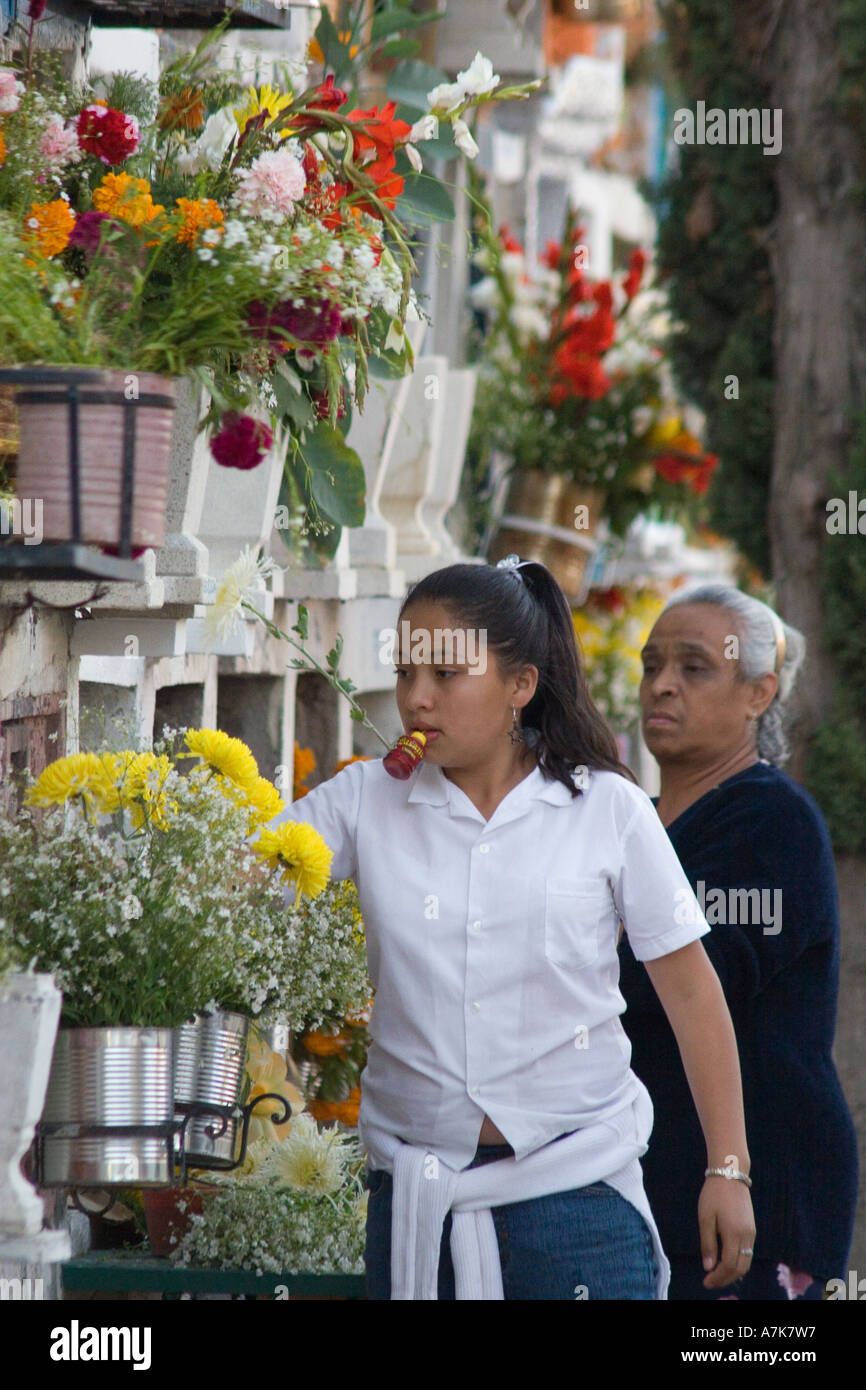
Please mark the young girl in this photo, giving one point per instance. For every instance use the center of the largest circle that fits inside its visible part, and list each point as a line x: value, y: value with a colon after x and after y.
x: 501, y: 1119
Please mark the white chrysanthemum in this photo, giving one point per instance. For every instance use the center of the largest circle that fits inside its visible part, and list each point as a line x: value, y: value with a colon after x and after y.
x: 310, y: 1159
x: 225, y: 614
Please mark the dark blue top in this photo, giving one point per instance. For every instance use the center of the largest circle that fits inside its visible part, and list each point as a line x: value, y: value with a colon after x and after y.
x: 758, y: 829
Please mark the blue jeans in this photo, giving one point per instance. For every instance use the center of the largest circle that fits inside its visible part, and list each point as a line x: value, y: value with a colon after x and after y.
x: 587, y: 1243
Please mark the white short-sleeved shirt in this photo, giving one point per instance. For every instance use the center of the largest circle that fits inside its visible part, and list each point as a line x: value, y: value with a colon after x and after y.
x: 492, y: 946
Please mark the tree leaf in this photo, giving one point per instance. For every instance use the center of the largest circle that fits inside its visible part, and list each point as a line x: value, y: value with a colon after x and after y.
x: 337, y: 480
x: 400, y: 48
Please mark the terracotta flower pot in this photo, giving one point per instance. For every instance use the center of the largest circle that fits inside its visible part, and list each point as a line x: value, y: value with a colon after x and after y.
x: 139, y: 403
x: 167, y: 1211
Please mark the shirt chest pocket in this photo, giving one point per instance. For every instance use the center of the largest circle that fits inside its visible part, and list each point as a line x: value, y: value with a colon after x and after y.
x: 575, y: 912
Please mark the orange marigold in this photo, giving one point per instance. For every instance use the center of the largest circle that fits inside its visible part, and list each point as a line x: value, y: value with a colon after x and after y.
x: 2, y: 147
x: 198, y: 213
x: 127, y: 198
x: 184, y: 111
x: 322, y: 1045
x: 355, y: 758
x: 304, y: 764
x: 50, y: 224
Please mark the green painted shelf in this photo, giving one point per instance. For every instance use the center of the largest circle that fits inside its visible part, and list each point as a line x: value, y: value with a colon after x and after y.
x: 120, y: 1271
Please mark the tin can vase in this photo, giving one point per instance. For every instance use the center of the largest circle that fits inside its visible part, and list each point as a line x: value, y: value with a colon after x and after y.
x: 551, y: 519
x: 105, y: 1079
x: 210, y: 1051
x: 105, y: 434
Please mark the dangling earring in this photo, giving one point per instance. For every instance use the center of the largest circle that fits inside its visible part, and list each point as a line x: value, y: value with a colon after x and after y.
x: 514, y: 732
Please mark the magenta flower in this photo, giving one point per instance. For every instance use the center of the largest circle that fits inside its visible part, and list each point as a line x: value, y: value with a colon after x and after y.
x: 316, y: 321
x: 242, y: 442
x: 87, y: 231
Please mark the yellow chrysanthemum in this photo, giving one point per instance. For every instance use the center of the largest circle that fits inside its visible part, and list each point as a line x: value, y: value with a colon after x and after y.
x: 142, y: 790
x: 300, y: 852
x: 198, y: 213
x: 126, y: 198
x: 65, y: 778
x: 50, y: 225
x: 267, y: 99
x: 265, y: 800
x: 229, y: 756
x: 310, y: 1159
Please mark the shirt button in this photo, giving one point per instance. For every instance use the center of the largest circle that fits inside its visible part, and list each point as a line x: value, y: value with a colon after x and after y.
x: 476, y: 1006
x: 476, y: 926
x: 476, y: 1090
x: 483, y: 849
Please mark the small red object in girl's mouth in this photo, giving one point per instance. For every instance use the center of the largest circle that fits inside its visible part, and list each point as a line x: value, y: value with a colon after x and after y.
x: 406, y: 754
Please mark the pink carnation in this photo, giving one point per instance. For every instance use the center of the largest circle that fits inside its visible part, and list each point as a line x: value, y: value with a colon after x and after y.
x: 59, y: 144
x: 10, y: 91
x: 274, y: 182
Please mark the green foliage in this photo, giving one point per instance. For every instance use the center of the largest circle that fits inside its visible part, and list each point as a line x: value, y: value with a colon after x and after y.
x: 713, y: 214
x: 836, y: 768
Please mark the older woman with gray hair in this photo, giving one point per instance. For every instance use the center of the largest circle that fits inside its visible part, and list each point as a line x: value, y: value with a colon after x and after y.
x: 719, y: 668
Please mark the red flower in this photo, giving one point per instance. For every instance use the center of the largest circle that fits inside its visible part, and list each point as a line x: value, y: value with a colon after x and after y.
x: 389, y: 185
x: 37, y: 9
x: 584, y: 377
x: 509, y: 242
x: 377, y: 131
x: 602, y: 294
x: 552, y: 253
x: 593, y: 333
x: 322, y: 406
x: 242, y: 442
x: 694, y: 472
x: 636, y: 265
x: 326, y: 97
x: 611, y: 600
x: 109, y: 134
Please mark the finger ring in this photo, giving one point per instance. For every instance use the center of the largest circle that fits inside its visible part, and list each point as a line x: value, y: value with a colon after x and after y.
x: 747, y: 1252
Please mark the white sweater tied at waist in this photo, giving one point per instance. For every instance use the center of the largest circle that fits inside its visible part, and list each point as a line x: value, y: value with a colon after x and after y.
x: 424, y: 1193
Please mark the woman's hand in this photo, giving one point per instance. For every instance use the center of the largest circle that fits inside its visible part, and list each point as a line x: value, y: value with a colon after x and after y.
x: 725, y: 1214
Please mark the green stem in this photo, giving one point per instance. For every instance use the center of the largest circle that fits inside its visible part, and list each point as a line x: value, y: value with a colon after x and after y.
x: 330, y: 676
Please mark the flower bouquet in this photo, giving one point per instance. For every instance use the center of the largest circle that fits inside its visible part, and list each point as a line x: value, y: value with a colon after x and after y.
x: 612, y: 628
x: 255, y: 238
x: 573, y: 377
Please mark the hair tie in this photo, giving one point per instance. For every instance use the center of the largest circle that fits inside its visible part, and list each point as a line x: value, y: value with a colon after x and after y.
x: 513, y: 563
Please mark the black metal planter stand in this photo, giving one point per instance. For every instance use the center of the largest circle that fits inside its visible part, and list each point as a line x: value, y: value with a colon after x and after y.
x: 173, y: 1130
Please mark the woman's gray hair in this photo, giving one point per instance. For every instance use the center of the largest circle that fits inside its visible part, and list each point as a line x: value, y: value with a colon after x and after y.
x: 757, y: 652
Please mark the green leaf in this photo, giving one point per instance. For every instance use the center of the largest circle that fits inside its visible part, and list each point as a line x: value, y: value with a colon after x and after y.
x: 292, y: 404
x: 333, y: 657
x: 301, y: 626
x: 412, y: 80
x: 424, y: 200
x: 394, y: 21
x: 400, y: 48
x: 336, y: 53
x: 337, y: 481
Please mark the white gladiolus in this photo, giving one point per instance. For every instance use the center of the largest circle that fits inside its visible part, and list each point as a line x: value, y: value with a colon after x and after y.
x: 413, y: 157
x: 479, y: 78
x: 463, y: 138
x: 447, y: 97
x: 425, y: 129
x: 527, y: 319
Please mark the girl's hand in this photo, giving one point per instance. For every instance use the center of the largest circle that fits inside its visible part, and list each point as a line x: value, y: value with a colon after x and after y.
x: 725, y: 1214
